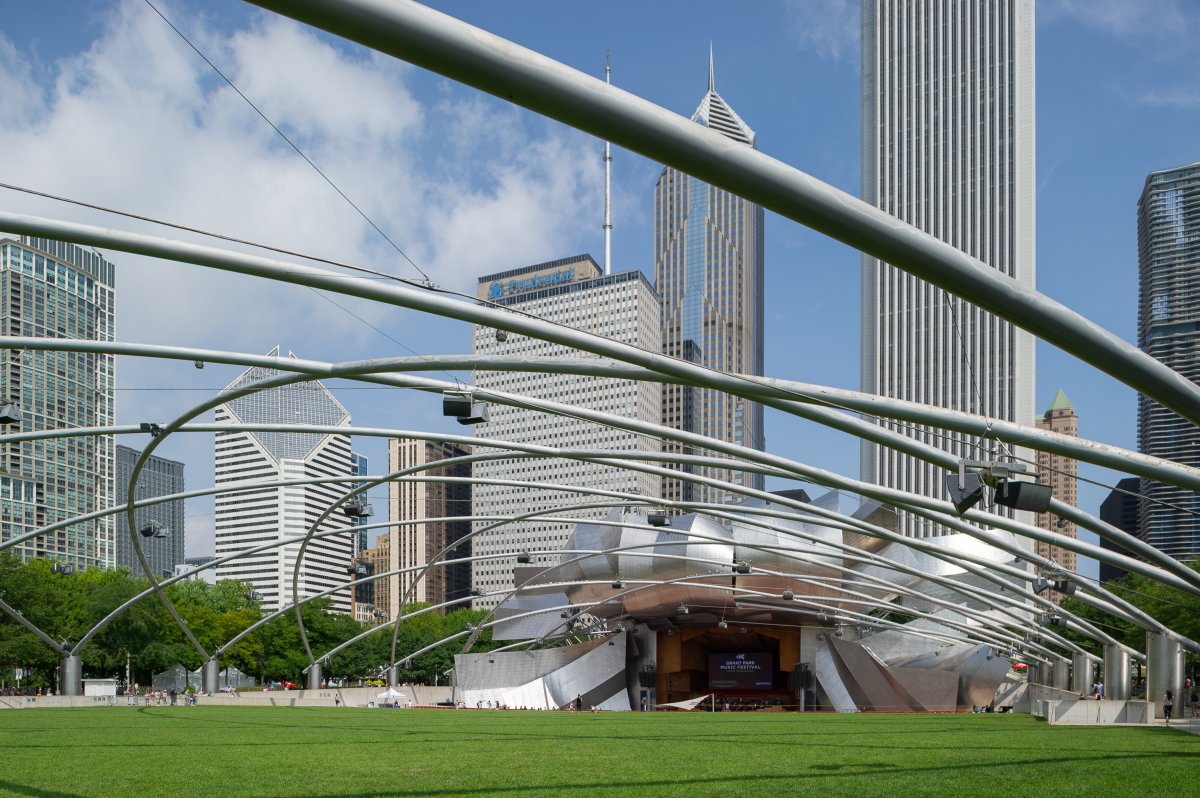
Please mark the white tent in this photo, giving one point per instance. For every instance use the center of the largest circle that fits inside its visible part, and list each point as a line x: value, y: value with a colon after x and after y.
x: 389, y: 696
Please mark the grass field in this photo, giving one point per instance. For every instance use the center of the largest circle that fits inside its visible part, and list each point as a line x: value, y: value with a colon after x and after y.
x: 217, y: 751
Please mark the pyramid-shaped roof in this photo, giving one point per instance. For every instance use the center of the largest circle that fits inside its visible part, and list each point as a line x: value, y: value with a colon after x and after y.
x: 1061, y: 402
x: 715, y: 113
x: 298, y: 403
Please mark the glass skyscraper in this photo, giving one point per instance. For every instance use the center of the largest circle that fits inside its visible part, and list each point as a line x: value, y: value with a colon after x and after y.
x: 160, y: 477
x: 708, y: 271
x: 948, y: 146
x: 50, y: 289
x: 1169, y: 329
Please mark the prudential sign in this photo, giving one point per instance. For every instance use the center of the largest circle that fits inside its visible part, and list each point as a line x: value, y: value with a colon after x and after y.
x: 518, y: 285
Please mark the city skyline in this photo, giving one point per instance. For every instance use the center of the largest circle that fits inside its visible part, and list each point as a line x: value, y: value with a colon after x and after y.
x: 1114, y: 90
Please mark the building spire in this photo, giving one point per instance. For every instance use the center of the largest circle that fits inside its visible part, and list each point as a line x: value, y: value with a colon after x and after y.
x: 712, y: 84
x: 607, y: 183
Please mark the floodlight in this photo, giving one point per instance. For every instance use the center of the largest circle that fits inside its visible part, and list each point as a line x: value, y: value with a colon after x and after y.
x: 501, y: 336
x: 788, y: 595
x: 198, y: 364
x: 965, y: 489
x: 477, y: 591
x: 683, y: 609
x: 741, y: 567
x: 618, y: 585
x: 524, y: 558
x: 658, y: 518
x: 153, y: 428
x: 722, y: 625
x: 379, y: 614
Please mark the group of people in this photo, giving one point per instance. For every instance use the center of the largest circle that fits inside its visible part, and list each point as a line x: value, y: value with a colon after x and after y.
x: 152, y: 698
x: 1193, y: 704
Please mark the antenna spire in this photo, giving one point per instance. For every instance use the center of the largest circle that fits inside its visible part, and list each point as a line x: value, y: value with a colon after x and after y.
x: 712, y: 83
x: 607, y: 183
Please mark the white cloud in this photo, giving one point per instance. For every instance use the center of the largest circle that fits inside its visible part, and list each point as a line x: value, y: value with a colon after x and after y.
x: 464, y: 184
x: 830, y: 28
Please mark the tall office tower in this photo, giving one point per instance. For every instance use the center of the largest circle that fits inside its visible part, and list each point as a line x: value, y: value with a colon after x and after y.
x: 708, y: 271
x: 948, y: 146
x: 1169, y: 329
x: 379, y: 558
x: 573, y: 292
x: 249, y: 518
x: 1120, y: 509
x: 1061, y: 473
x: 49, y: 289
x: 160, y: 526
x: 419, y: 543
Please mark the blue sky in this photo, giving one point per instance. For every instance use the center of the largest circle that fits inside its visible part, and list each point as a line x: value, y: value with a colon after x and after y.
x: 104, y: 103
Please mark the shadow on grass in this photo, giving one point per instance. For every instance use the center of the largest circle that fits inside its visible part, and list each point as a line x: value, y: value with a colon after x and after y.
x: 767, y: 781
x: 20, y: 789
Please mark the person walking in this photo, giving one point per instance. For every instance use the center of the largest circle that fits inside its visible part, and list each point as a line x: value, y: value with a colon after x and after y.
x: 1168, y: 705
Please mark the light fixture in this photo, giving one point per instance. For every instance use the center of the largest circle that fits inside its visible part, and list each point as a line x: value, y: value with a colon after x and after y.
x: 618, y: 584
x: 10, y: 413
x: 357, y: 508
x: 524, y: 558
x: 198, y: 364
x: 741, y: 567
x: 722, y: 625
x: 501, y: 336
x: 683, y: 609
x: 379, y: 614
x: 153, y: 428
x: 255, y: 596
x: 462, y: 406
x: 788, y: 595
x: 477, y: 591
x: 61, y: 568
x: 153, y: 529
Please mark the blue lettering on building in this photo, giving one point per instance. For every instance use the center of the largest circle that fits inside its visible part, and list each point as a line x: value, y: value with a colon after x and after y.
x: 522, y: 285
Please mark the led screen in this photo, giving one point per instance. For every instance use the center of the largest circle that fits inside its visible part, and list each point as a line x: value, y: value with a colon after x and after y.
x: 742, y: 671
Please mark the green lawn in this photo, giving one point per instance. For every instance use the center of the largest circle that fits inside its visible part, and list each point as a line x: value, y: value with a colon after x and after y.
x: 216, y: 751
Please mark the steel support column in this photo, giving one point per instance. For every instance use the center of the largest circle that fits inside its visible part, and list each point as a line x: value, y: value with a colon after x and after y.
x: 70, y: 675
x: 1116, y: 673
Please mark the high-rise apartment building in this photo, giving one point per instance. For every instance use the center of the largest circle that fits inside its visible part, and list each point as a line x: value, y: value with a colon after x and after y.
x: 1169, y: 329
x: 419, y: 543
x: 572, y: 292
x: 1061, y: 473
x: 50, y: 289
x: 708, y: 271
x: 948, y: 146
x: 249, y: 518
x: 164, y: 546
